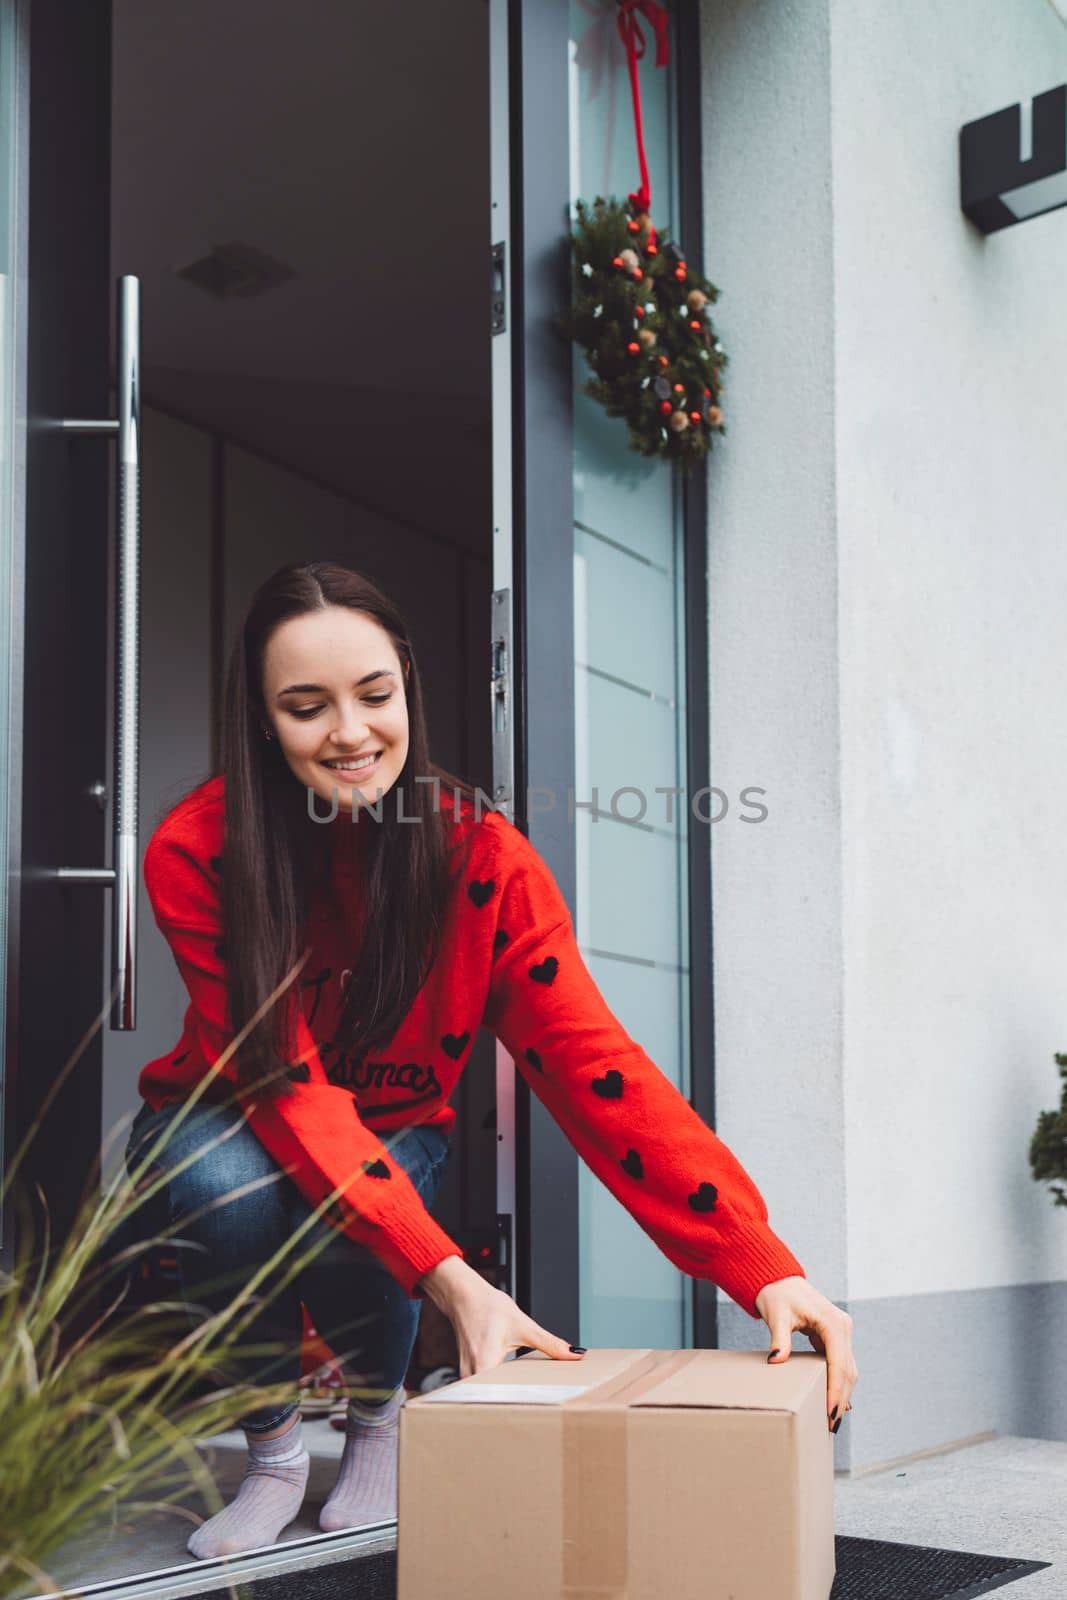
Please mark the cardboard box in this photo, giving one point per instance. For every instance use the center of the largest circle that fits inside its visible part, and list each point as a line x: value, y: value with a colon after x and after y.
x: 632, y: 1475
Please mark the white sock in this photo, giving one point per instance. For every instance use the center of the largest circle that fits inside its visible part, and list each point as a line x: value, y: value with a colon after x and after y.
x: 271, y: 1493
x: 365, y: 1490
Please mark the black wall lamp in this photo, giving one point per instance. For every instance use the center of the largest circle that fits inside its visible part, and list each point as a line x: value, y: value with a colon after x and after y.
x: 1013, y: 164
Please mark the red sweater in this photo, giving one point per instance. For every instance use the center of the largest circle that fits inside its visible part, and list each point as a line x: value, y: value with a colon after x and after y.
x: 509, y: 962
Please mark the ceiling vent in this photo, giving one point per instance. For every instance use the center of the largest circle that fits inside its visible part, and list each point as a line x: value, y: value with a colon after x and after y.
x: 236, y: 272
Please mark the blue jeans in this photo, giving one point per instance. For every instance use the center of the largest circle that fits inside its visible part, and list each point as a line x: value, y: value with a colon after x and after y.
x: 356, y: 1305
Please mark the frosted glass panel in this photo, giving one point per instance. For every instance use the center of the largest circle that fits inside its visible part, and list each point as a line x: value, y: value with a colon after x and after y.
x: 631, y: 742
x: 628, y: 890
x: 617, y: 493
x: 628, y: 628
x: 631, y: 911
x: 650, y: 996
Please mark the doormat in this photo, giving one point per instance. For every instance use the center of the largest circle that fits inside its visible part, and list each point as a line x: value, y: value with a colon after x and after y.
x: 867, y: 1569
x: 878, y: 1569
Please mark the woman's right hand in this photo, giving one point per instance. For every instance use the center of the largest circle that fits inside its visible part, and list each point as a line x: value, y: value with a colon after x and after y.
x: 487, y: 1321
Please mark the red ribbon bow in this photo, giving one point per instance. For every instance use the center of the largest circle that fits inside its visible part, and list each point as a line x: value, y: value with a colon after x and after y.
x: 635, y: 44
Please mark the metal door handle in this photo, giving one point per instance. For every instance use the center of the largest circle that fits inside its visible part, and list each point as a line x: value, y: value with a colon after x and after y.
x: 123, y: 876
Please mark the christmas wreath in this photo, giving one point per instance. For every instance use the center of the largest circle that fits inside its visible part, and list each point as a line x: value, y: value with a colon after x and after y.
x: 640, y: 314
x: 638, y: 310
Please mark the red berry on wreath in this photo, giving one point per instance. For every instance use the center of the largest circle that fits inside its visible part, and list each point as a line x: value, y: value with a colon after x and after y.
x: 694, y: 416
x: 650, y: 249
x: 634, y: 227
x: 666, y: 407
x: 707, y: 391
x: 638, y: 276
x: 616, y: 261
x: 639, y: 312
x: 679, y: 273
x: 663, y: 361
x: 679, y: 388
x: 696, y: 325
x: 634, y: 348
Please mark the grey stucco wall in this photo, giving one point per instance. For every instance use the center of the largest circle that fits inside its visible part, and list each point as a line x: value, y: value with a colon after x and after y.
x: 887, y: 653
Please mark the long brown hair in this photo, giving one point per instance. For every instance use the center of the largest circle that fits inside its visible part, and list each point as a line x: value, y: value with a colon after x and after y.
x: 273, y: 853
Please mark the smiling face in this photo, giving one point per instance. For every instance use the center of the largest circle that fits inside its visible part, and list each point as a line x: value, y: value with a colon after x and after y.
x: 333, y: 688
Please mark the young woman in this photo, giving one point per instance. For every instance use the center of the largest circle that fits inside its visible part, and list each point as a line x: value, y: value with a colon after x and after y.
x: 330, y: 834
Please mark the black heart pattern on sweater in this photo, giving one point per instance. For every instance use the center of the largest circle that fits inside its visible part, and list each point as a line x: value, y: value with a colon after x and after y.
x: 176, y: 1061
x: 705, y: 1198
x: 481, y: 890
x: 545, y: 971
x: 534, y: 1059
x: 500, y: 939
x: 609, y: 1087
x: 454, y: 1044
x: 299, y: 1073
x: 631, y: 1163
x: 376, y: 1169
x: 215, y: 863
x: 220, y: 949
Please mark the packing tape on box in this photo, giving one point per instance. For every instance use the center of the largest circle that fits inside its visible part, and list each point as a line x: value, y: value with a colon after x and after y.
x: 595, y: 1487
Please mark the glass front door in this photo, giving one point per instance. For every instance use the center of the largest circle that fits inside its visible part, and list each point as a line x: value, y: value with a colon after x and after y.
x: 315, y: 382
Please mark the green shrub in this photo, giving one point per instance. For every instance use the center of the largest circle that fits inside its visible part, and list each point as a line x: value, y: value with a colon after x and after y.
x: 1048, y: 1147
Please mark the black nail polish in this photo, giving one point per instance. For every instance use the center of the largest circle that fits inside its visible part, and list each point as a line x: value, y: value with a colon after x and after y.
x: 773, y: 1354
x: 837, y: 1424
x: 577, y: 1349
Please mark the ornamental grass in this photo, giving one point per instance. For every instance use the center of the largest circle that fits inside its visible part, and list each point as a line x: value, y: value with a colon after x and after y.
x: 103, y: 1399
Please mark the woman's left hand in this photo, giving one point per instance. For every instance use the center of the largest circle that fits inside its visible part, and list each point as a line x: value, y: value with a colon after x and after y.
x: 795, y: 1305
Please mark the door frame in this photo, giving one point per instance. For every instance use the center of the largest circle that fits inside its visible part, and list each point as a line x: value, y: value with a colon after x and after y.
x: 704, y: 1299
x: 546, y: 1164
x: 56, y: 949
